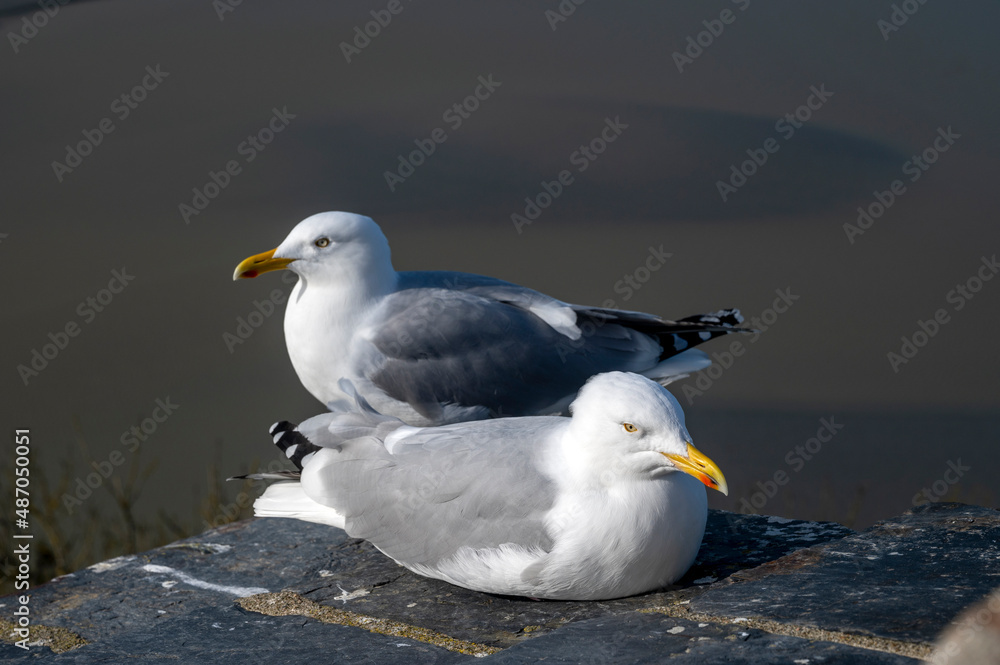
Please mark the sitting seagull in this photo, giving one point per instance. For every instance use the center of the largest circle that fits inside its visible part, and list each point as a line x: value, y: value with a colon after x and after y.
x: 438, y: 347
x: 602, y: 505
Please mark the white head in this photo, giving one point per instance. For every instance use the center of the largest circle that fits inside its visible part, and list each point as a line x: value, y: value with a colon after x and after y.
x: 329, y: 248
x: 637, y: 428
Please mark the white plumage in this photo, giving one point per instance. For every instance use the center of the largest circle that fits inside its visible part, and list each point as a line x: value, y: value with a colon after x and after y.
x: 439, y: 347
x: 599, y: 505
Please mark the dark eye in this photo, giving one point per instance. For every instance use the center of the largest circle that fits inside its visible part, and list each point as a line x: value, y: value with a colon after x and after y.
x: 629, y: 427
x: 322, y: 242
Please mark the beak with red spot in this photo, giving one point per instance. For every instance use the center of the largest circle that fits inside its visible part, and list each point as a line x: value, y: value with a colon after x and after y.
x: 697, y: 464
x: 258, y: 264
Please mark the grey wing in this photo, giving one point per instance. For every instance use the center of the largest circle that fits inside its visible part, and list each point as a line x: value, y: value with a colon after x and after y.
x: 350, y: 418
x: 471, y: 341
x: 675, y: 336
x: 472, y: 484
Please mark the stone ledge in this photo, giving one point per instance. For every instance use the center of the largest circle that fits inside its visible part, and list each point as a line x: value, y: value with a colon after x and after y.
x: 287, y: 603
x: 764, y: 589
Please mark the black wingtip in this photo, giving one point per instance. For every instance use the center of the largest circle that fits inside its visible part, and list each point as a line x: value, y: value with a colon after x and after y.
x: 292, y: 442
x: 268, y: 475
x: 282, y: 426
x: 702, y: 328
x: 730, y: 317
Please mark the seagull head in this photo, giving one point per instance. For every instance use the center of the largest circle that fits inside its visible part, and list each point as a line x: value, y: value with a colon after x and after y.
x: 330, y: 247
x: 637, y: 428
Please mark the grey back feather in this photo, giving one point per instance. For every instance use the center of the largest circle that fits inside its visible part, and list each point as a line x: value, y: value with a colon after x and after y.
x: 448, y: 338
x: 481, y: 346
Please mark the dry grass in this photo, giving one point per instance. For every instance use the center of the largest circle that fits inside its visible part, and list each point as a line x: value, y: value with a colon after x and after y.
x: 104, y: 527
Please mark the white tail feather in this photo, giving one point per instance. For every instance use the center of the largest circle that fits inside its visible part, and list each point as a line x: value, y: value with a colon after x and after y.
x: 287, y: 499
x: 679, y: 366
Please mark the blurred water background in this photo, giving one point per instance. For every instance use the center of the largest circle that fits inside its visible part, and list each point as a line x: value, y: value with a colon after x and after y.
x: 905, y: 433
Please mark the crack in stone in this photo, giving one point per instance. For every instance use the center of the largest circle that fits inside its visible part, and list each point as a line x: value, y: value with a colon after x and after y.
x: 285, y: 603
x: 919, y: 650
x: 376, y: 585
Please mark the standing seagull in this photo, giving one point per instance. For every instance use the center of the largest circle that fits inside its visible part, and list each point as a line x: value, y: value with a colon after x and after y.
x: 440, y: 347
x: 602, y: 505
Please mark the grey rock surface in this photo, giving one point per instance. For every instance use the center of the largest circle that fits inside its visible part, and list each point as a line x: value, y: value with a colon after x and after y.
x: 650, y: 638
x: 903, y: 579
x: 764, y: 589
x: 128, y: 593
x: 230, y: 635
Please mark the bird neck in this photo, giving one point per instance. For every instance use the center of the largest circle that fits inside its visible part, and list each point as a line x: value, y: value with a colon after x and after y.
x: 346, y: 291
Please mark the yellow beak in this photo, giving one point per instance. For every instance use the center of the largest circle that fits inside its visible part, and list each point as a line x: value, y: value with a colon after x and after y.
x: 258, y: 264
x: 697, y: 464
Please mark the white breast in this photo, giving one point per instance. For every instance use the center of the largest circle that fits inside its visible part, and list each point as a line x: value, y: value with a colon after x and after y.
x: 633, y: 538
x: 319, y: 331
